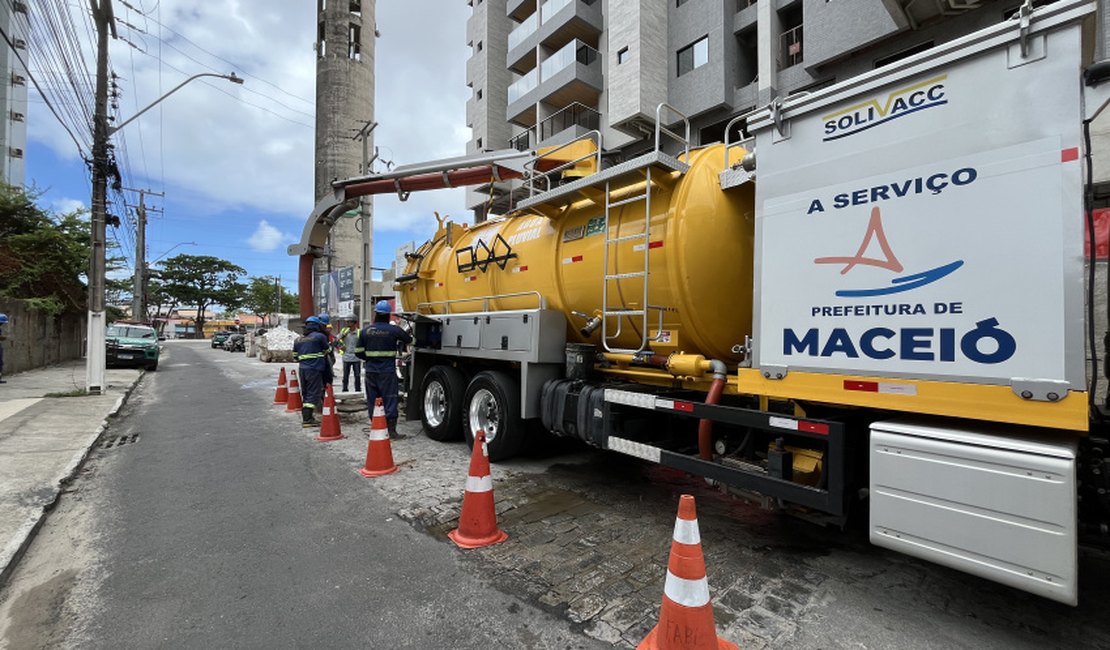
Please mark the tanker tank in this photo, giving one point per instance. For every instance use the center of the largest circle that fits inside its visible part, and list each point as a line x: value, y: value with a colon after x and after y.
x: 700, y: 261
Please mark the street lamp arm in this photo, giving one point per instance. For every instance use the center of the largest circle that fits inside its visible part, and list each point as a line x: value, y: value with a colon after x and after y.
x: 230, y: 77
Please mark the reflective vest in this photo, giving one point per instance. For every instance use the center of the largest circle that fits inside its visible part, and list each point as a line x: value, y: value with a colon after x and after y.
x: 311, y: 351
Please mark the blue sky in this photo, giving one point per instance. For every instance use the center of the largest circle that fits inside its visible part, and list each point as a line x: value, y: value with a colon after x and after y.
x: 235, y: 162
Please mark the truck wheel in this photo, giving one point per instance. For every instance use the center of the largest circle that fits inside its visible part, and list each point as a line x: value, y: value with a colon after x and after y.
x: 441, y: 405
x: 493, y: 405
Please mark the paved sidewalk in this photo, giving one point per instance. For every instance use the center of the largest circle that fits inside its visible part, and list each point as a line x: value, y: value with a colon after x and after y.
x: 43, y: 441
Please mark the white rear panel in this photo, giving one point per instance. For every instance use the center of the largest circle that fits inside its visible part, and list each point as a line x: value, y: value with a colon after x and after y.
x: 926, y: 222
x: 977, y: 501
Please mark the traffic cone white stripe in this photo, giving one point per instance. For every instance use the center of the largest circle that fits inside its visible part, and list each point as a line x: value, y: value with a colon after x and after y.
x: 379, y: 434
x: 294, y: 388
x: 327, y: 411
x: 686, y: 531
x: 479, y: 484
x: 688, y: 593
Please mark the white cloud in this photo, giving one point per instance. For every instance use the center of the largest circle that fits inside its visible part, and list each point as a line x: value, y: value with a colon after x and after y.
x: 266, y: 238
x: 67, y: 206
x: 215, y: 146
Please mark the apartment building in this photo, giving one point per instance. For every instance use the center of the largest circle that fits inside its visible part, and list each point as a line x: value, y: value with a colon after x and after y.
x: 542, y: 73
x: 13, y: 93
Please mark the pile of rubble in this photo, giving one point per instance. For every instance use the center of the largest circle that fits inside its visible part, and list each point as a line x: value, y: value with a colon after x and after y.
x: 277, y: 345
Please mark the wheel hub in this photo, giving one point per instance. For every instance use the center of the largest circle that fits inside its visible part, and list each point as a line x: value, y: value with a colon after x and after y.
x: 484, y: 414
x: 435, y: 404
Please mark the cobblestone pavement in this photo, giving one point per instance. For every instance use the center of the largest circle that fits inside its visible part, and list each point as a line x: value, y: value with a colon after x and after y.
x: 589, y: 535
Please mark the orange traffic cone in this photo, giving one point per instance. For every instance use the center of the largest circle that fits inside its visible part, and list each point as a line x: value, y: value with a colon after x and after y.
x: 478, y: 520
x: 686, y: 618
x: 281, y: 395
x: 379, y: 454
x: 294, y: 403
x: 329, y: 426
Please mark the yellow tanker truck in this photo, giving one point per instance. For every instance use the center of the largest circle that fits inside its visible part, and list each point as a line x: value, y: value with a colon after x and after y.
x: 862, y: 306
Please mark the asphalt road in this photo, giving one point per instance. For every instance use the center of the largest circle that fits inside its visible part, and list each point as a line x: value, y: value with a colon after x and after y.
x: 219, y: 527
x: 220, y: 523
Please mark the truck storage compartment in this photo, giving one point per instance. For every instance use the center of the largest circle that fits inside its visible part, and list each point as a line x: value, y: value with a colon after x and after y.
x: 998, y: 502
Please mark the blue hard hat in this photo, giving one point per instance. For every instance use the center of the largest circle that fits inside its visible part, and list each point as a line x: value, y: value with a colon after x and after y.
x: 313, y: 320
x: 3, y: 319
x: 324, y: 318
x: 383, y: 307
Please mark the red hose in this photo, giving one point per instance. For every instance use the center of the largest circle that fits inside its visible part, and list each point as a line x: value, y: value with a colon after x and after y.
x: 304, y: 286
x: 705, y: 427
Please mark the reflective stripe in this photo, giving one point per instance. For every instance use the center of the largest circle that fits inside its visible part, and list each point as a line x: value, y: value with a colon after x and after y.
x: 360, y: 349
x: 379, y: 434
x: 380, y: 353
x: 311, y: 355
x: 688, y: 593
x: 686, y: 531
x: 327, y: 410
x: 479, y: 484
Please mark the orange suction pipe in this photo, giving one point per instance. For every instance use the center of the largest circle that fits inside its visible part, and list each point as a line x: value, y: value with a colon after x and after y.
x: 705, y: 427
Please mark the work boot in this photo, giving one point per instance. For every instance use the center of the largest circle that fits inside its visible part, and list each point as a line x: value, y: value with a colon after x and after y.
x: 307, y: 419
x: 392, y: 424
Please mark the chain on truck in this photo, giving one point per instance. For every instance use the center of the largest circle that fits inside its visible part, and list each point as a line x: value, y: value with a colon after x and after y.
x: 878, y: 303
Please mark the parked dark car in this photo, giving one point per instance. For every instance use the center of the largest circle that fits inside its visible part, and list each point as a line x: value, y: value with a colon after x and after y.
x: 235, y: 343
x: 218, y: 339
x: 132, y: 345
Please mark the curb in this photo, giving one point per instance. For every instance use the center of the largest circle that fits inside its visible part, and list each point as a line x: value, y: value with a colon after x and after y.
x: 14, y: 551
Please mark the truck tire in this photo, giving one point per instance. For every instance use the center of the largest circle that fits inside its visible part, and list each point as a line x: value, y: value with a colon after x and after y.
x: 493, y: 404
x: 441, y: 403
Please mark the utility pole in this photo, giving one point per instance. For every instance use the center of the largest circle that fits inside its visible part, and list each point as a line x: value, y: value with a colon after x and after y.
x: 138, y: 292
x: 366, y: 207
x: 96, y: 334
x: 278, y: 292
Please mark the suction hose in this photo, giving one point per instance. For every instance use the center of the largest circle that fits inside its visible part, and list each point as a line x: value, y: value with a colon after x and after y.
x: 705, y: 427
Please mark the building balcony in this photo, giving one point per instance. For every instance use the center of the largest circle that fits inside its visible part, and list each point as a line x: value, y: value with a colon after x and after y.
x: 518, y: 10
x: 790, y: 48
x: 573, y: 74
x: 558, y: 128
x: 562, y: 21
x: 521, y: 56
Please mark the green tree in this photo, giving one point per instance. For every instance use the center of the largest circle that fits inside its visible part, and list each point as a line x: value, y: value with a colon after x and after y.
x: 203, y: 281
x: 262, y: 298
x: 43, y: 257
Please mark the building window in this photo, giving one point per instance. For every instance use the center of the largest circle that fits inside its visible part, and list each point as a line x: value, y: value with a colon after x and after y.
x: 356, y: 7
x: 478, y: 142
x: 679, y: 3
x: 897, y: 56
x: 693, y: 55
x: 479, y: 46
x: 479, y: 94
x: 790, y: 48
x: 321, y: 44
x: 622, y: 55
x: 354, y: 42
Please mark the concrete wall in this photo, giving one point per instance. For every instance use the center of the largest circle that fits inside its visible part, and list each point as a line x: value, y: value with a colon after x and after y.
x: 35, y: 340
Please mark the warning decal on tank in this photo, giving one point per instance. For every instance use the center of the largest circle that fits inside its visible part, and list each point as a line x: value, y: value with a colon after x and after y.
x: 572, y: 260
x: 654, y: 244
x: 520, y: 269
x: 574, y: 234
x: 595, y: 226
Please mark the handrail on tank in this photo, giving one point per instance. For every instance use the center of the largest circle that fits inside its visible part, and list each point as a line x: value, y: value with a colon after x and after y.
x: 659, y: 128
x: 728, y: 128
x: 530, y: 165
x: 540, y: 300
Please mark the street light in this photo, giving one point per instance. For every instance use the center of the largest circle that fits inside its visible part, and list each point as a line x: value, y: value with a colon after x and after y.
x: 230, y: 77
x: 184, y: 243
x: 96, y: 358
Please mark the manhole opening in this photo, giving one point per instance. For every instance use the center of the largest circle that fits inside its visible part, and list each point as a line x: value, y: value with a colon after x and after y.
x: 118, y: 441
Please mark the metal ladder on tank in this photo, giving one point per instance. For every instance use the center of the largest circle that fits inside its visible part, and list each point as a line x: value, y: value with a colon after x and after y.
x: 620, y: 313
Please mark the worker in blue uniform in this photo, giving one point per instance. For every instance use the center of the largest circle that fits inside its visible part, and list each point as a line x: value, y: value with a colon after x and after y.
x: 378, y: 345
x: 310, y: 352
